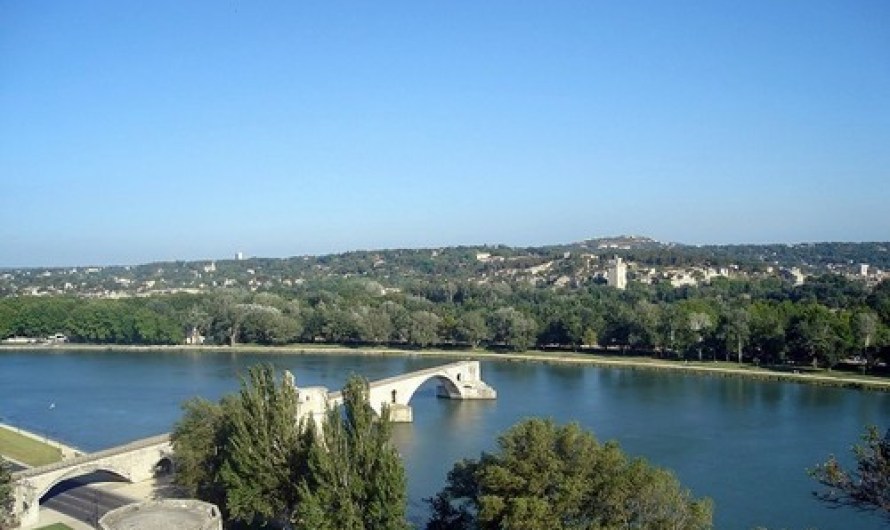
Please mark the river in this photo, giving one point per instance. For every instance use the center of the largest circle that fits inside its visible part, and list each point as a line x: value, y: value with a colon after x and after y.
x: 745, y: 443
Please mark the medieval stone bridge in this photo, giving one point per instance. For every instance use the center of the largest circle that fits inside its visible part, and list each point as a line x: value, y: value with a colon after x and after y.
x: 141, y: 459
x: 134, y: 462
x: 458, y: 380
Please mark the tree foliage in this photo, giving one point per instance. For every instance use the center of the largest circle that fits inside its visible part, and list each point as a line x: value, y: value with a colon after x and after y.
x: 868, y: 487
x: 248, y: 455
x: 245, y: 454
x: 561, y: 477
x: 355, y: 479
x: 266, y: 454
x: 825, y: 321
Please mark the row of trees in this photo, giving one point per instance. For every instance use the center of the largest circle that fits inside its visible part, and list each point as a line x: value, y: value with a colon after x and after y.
x: 247, y: 455
x: 819, y: 323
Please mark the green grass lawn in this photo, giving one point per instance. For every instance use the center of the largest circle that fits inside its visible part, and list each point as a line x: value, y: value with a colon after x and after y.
x: 27, y: 450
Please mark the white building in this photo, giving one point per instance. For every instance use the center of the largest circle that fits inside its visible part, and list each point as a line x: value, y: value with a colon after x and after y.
x: 617, y: 276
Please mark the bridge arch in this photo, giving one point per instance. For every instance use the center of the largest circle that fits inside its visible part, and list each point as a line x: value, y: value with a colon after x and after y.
x: 399, y: 391
x: 79, y: 471
x: 452, y: 385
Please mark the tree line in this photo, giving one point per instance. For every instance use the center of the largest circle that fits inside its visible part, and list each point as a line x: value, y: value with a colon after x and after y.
x: 819, y: 323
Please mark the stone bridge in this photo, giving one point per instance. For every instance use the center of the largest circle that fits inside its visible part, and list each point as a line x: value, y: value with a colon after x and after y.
x: 135, y: 462
x: 458, y: 380
x: 139, y: 460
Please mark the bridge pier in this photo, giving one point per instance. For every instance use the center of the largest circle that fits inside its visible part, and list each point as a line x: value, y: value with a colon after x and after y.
x: 470, y: 390
x: 401, y: 413
x: 27, y: 504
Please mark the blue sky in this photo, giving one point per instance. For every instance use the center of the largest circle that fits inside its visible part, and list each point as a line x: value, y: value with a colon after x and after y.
x: 143, y: 131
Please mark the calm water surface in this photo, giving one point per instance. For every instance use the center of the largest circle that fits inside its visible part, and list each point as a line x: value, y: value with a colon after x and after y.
x: 744, y: 443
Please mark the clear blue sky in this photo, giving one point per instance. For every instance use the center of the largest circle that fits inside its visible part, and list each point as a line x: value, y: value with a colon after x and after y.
x: 136, y: 131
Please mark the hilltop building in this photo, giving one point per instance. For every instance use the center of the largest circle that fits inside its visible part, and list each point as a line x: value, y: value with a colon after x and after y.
x: 617, y: 276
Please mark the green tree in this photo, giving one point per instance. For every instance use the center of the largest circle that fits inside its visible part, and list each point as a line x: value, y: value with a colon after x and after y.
x: 246, y: 454
x: 267, y: 454
x: 424, y: 328
x: 355, y: 478
x: 471, y: 328
x: 866, y: 488
x: 199, y: 443
x: 561, y: 477
x: 7, y: 497
x: 512, y: 328
x: 814, y: 335
x: 734, y: 328
x: 865, y: 327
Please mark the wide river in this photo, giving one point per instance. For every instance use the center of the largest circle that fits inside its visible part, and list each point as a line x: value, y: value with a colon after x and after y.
x: 744, y: 443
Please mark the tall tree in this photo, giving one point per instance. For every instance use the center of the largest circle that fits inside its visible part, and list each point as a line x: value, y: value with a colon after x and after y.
x: 246, y: 454
x: 199, y: 441
x: 355, y: 478
x: 866, y: 488
x: 561, y: 477
x: 267, y: 454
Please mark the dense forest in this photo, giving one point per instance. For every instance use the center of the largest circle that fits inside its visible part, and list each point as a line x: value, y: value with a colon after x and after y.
x: 822, y: 322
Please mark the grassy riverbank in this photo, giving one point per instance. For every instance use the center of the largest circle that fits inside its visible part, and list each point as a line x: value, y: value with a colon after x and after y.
x: 26, y: 449
x: 712, y: 368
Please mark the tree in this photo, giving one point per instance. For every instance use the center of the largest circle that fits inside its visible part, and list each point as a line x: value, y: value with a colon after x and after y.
x: 7, y: 497
x: 512, y: 328
x: 267, y: 454
x: 198, y: 440
x: 247, y: 453
x: 865, y: 326
x: 813, y: 335
x: 424, y: 328
x: 868, y: 487
x: 355, y: 478
x: 735, y: 330
x: 471, y: 328
x: 561, y: 477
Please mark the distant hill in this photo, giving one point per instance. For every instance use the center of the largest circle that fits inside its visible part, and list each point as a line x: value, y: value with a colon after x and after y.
x: 559, y: 264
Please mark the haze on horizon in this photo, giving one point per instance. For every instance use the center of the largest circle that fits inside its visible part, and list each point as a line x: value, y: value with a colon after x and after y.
x: 139, y: 132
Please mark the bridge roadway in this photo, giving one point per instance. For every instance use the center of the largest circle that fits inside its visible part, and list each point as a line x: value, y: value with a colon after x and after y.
x: 138, y: 460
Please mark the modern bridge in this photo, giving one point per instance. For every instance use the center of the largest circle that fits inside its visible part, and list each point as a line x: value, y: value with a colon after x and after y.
x: 141, y: 459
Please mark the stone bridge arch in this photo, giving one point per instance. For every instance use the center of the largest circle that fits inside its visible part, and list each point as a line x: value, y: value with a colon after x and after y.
x: 134, y: 462
x: 45, y: 486
x: 460, y: 380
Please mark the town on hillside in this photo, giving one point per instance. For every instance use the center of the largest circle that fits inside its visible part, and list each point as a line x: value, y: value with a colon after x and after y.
x: 616, y: 261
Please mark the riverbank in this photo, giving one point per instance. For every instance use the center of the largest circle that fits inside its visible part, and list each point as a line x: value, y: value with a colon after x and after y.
x: 710, y: 368
x: 29, y: 449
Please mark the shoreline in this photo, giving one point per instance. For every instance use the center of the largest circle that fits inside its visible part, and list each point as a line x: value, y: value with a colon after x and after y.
x: 710, y: 368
